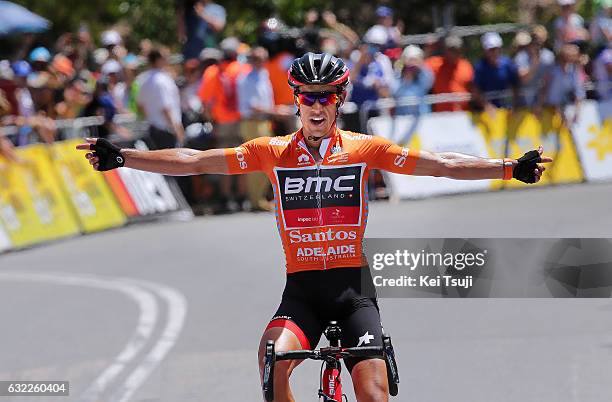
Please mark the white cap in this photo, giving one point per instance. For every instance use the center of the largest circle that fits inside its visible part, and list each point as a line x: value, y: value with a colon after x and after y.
x: 412, y: 52
x: 111, y: 38
x: 566, y: 2
x: 491, y: 40
x: 377, y: 35
x: 110, y: 67
x: 100, y: 55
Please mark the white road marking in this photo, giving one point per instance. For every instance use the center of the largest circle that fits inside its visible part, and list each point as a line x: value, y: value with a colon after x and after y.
x: 177, y: 311
x: 143, y: 293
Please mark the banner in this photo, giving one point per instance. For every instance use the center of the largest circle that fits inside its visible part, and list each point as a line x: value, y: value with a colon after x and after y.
x: 32, y: 205
x: 512, y: 133
x: 144, y: 193
x: 50, y: 202
x: 443, y: 132
x: 94, y: 203
x: 593, y: 138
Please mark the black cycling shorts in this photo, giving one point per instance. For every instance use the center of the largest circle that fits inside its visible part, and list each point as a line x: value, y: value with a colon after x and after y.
x: 312, y: 299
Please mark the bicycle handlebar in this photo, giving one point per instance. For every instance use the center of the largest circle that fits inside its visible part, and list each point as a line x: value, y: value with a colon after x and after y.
x: 323, y: 353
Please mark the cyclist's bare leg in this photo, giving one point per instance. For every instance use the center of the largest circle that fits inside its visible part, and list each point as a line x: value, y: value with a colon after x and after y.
x: 284, y: 340
x: 370, y: 381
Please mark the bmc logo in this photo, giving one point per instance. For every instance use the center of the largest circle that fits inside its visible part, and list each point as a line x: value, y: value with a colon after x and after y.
x: 296, y: 185
x: 400, y: 160
x: 240, y: 156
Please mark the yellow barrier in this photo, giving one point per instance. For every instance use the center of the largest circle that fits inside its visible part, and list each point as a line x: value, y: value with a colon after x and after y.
x: 94, y: 203
x: 511, y: 134
x: 33, y: 206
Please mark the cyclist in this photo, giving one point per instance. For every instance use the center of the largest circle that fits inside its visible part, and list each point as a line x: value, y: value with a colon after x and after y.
x: 319, y: 176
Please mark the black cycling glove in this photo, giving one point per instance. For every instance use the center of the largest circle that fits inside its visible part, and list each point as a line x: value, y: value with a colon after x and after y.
x: 108, y: 154
x: 524, y: 170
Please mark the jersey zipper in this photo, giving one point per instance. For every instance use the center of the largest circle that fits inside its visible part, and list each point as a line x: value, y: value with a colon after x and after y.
x: 320, y: 213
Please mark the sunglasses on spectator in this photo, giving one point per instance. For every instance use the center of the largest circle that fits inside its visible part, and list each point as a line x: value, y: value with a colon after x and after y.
x: 324, y: 98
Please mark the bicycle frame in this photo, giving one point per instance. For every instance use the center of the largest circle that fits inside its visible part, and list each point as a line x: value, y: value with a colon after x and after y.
x: 330, y: 389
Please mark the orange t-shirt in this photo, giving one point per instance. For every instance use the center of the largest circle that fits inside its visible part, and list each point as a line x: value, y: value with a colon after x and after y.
x: 277, y: 67
x: 321, y: 209
x: 450, y: 78
x: 218, y: 90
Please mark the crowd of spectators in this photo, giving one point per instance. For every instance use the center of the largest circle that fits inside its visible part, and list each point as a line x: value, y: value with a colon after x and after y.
x: 221, y: 91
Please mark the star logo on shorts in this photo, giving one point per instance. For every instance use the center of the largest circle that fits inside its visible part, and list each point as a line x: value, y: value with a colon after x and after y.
x: 365, y: 339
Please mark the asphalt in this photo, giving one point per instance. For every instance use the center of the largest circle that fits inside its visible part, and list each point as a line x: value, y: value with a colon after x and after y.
x: 173, y: 311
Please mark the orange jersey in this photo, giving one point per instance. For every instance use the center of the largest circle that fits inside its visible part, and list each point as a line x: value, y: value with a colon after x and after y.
x: 321, y: 209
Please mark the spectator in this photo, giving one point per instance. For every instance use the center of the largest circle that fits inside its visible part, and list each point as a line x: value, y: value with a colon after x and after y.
x: 569, y: 26
x: 75, y: 98
x: 218, y: 93
x: 372, y: 74
x: 310, y: 32
x: 63, y: 70
x: 191, y: 105
x: 159, y: 98
x: 40, y: 58
x: 112, y: 71
x: 392, y: 35
x: 564, y: 84
x: 281, y: 57
x: 415, y: 80
x: 101, y: 104
x: 110, y: 40
x: 602, y: 72
x: 256, y: 107
x: 8, y: 87
x: 25, y: 104
x: 452, y: 74
x: 494, y: 72
x: 533, y: 63
x: 131, y: 66
x: 601, y: 26
x: 198, y: 23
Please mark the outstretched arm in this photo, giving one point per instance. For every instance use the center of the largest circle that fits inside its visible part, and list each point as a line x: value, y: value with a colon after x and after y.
x: 177, y: 161
x: 453, y: 165
x: 460, y: 166
x: 174, y: 161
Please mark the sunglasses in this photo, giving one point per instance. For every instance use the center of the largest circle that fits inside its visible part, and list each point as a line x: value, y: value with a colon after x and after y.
x: 324, y: 98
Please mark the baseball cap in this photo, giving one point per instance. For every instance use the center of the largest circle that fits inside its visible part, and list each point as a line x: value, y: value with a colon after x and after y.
x: 377, y: 35
x: 63, y: 64
x: 412, y: 52
x: 566, y: 2
x: 211, y: 53
x: 384, y: 11
x: 40, y: 54
x: 491, y: 40
x: 21, y: 68
x: 522, y: 38
x: 453, y: 41
x: 100, y: 55
x: 110, y: 38
x: 230, y: 44
x: 111, y: 67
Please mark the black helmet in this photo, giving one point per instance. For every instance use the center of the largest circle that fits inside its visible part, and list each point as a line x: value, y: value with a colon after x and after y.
x: 318, y: 69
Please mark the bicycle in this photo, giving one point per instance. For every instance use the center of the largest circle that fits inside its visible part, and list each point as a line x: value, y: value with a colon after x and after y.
x: 330, y: 387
